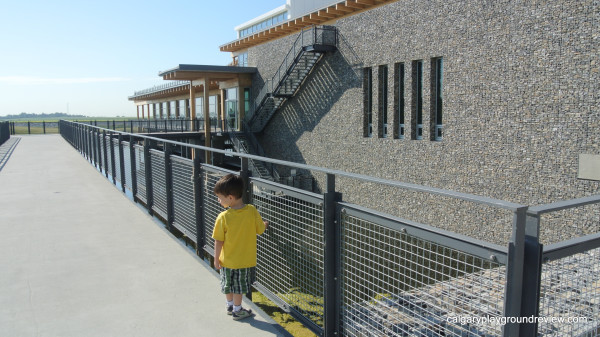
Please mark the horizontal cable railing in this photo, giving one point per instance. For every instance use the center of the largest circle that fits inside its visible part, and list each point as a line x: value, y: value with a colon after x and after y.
x: 346, y: 270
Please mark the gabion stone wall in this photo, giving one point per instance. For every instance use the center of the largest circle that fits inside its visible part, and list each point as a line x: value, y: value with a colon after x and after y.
x: 521, y: 90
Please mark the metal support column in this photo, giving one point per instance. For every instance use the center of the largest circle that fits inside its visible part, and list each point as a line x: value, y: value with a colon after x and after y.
x: 198, y: 185
x: 514, y: 273
x: 133, y: 167
x: 332, y: 252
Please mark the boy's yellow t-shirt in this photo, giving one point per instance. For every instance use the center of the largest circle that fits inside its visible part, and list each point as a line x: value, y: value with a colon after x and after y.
x: 237, y: 228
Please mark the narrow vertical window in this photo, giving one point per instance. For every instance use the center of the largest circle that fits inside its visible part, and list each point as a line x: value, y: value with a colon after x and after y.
x: 437, y: 69
x: 383, y: 101
x: 417, y: 113
x: 399, y: 100
x: 368, y: 102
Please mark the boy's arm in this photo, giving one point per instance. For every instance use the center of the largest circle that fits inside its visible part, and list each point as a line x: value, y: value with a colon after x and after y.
x: 218, y: 248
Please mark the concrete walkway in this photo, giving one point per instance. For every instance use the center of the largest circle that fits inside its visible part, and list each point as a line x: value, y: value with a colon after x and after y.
x: 77, y: 258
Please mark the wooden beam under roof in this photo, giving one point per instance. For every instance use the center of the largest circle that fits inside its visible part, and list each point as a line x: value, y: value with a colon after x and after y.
x: 338, y: 10
x: 325, y: 14
x: 343, y: 8
x: 354, y: 4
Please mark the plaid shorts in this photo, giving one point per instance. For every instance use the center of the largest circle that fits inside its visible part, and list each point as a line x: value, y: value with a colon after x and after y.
x: 237, y: 281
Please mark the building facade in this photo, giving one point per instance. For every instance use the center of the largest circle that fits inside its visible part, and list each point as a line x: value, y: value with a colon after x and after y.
x: 499, y: 99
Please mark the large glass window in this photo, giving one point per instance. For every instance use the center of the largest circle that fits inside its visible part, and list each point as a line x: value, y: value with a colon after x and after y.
x: 212, y: 106
x: 173, y: 109
x: 417, y: 113
x: 199, y: 107
x: 182, y: 109
x: 383, y: 101
x: 231, y: 108
x: 368, y: 102
x: 246, y: 100
x: 262, y: 25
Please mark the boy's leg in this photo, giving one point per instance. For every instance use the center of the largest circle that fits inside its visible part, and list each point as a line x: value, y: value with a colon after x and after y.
x: 237, y: 299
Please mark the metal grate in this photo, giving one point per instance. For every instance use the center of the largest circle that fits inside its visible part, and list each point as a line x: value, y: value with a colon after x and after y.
x: 290, y: 252
x: 140, y: 167
x: 107, y: 143
x: 183, y: 196
x: 570, y: 290
x: 210, y: 205
x: 159, y: 184
x: 115, y: 144
x: 127, y: 163
x: 395, y: 284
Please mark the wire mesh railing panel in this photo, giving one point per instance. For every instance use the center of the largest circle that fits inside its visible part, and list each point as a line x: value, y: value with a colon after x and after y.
x: 140, y: 172
x: 127, y: 163
x: 100, y: 141
x: 570, y: 295
x: 183, y: 196
x: 159, y: 184
x: 210, y: 205
x: 107, y: 145
x: 395, y: 284
x: 115, y: 144
x: 571, y: 223
x: 290, y: 252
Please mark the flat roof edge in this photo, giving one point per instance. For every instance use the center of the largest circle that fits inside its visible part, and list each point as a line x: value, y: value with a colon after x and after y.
x: 209, y: 68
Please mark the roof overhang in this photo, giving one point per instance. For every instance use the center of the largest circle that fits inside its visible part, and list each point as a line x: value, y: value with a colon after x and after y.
x: 191, y: 72
x: 321, y: 16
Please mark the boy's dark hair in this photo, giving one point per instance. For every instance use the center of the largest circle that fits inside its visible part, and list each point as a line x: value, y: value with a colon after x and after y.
x: 230, y: 185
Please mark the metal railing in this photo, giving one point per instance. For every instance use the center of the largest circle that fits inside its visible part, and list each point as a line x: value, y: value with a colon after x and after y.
x: 4, y: 132
x: 157, y: 88
x: 156, y: 125
x: 346, y: 270
x: 33, y: 127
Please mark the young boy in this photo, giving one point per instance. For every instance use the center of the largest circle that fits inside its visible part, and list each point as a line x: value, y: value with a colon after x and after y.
x: 235, y: 243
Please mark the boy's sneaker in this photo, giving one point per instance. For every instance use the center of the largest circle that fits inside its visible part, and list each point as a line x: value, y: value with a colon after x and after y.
x: 243, y: 313
x: 229, y: 310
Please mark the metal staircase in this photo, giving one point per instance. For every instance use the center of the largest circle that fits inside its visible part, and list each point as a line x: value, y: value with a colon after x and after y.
x: 309, y: 47
x: 242, y: 144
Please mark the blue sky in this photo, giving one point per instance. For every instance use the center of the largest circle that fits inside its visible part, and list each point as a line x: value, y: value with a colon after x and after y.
x: 89, y: 56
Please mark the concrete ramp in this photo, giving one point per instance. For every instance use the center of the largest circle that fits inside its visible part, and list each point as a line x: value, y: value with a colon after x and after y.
x: 77, y: 258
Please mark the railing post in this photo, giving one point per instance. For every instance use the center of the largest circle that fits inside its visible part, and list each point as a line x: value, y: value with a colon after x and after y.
x: 332, y: 254
x: 122, y: 162
x: 148, y: 170
x: 169, y: 185
x: 28, y: 127
x: 198, y: 185
x: 514, y: 273
x: 532, y: 275
x: 245, y: 175
x: 133, y: 167
x: 44, y: 126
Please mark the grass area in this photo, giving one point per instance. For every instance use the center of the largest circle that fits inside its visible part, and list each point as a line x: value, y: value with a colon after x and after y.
x: 281, y: 317
x: 35, y: 130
